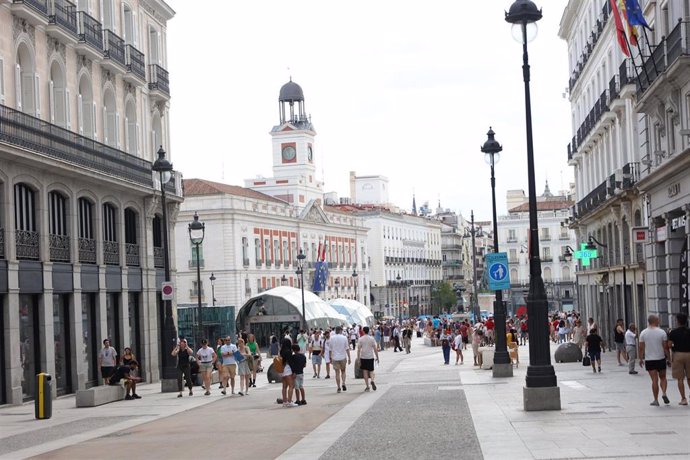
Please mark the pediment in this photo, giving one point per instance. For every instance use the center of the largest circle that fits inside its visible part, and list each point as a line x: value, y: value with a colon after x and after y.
x: 312, y: 212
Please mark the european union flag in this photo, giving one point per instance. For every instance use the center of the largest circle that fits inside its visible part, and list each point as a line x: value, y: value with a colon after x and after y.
x: 320, y: 276
x: 635, y: 16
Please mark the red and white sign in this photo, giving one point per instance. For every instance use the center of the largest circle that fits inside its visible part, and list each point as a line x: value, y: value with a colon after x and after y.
x: 661, y: 234
x: 167, y: 290
x: 640, y: 235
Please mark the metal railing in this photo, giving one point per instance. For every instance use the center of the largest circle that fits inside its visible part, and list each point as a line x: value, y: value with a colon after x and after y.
x: 158, y: 257
x: 111, y: 253
x: 592, y: 200
x: 64, y: 14
x: 132, y: 255
x: 38, y: 5
x: 135, y: 62
x: 87, y: 251
x: 27, y: 245
x: 25, y: 131
x: 59, y: 248
x: 259, y: 262
x: 589, y: 47
x: 159, y: 79
x: 665, y: 54
x: 114, y: 47
x: 90, y: 31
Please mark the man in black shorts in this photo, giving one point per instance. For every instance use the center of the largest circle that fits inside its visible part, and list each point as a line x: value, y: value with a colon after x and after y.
x: 654, y: 355
x: 366, y: 351
x: 130, y: 382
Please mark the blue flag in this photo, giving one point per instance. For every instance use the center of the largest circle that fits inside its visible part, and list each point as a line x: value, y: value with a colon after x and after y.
x: 635, y: 16
x: 320, y: 276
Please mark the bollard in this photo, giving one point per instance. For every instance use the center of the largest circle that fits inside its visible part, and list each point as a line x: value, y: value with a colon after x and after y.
x: 43, y: 404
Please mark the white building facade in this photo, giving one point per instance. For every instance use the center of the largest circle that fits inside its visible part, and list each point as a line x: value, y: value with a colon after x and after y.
x: 84, y: 98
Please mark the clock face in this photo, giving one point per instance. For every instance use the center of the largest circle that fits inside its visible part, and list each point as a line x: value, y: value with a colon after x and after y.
x: 289, y: 153
x: 310, y: 154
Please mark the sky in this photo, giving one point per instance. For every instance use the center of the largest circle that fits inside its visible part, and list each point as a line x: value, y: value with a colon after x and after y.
x: 399, y: 88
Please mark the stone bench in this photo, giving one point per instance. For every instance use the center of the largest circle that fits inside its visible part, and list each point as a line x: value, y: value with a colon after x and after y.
x: 487, y: 357
x: 96, y: 396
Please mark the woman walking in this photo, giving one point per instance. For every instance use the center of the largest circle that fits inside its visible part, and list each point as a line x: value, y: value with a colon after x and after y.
x: 243, y: 367
x: 256, y: 358
x: 327, y: 352
x: 183, y: 354
x: 206, y: 357
x: 579, y: 334
x: 458, y: 342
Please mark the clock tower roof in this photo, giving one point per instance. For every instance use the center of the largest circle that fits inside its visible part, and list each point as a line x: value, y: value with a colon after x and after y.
x: 291, y: 92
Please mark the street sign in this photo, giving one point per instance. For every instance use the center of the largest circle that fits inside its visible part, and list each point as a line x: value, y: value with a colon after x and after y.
x: 585, y: 255
x: 499, y: 277
x: 167, y: 290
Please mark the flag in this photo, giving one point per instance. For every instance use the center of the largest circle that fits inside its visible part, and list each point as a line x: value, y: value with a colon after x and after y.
x: 323, y: 254
x: 320, y: 276
x: 620, y: 30
x: 632, y: 33
x: 318, y: 253
x: 635, y: 16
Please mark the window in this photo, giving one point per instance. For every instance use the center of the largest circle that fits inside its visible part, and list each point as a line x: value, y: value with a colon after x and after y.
x: 107, y: 16
x: 276, y: 252
x: 157, y: 231
x: 58, y: 213
x: 86, y: 219
x: 131, y: 129
x: 513, y: 255
x: 59, y: 104
x: 267, y: 251
x: 192, y: 261
x: 257, y: 250
x: 154, y: 46
x: 245, y: 251
x: 286, y: 252
x: 86, y: 108
x: 512, y: 235
x: 130, y: 226
x: 546, y: 254
x: 197, y: 288
x: 109, y: 223
x: 129, y: 27
x: 545, y: 234
x: 28, y: 82
x: 2, y: 81
x: 110, y: 119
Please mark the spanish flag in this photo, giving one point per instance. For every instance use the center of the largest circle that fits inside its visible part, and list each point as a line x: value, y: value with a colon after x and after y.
x: 620, y: 30
x: 632, y: 32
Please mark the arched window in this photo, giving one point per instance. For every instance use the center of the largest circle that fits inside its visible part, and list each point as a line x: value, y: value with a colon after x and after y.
x: 110, y: 119
x: 86, y: 108
x: 59, y: 236
x: 87, y: 243
x: 59, y: 106
x: 547, y: 274
x: 566, y: 273
x: 131, y: 128
x: 26, y: 82
x: 111, y: 249
x: 25, y: 225
x: 156, y: 132
x: 129, y: 28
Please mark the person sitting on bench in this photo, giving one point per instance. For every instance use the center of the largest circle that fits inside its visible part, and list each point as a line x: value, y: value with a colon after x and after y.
x: 123, y: 373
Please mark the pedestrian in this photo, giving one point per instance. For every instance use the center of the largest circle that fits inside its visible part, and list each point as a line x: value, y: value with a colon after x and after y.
x: 229, y: 369
x: 125, y: 373
x: 315, y: 353
x: 445, y: 347
x: 523, y: 332
x: 395, y: 334
x: 619, y: 340
x: 287, y: 374
x: 255, y: 350
x: 184, y: 355
x: 367, y: 351
x: 378, y: 337
x: 464, y: 332
x: 274, y: 347
x: 354, y: 335
x: 476, y: 341
x: 593, y: 347
x: 243, y: 357
x: 327, y: 352
x: 206, y: 358
x: 590, y: 324
x: 302, y: 340
x: 219, y: 362
x: 297, y: 363
x: 654, y: 356
x: 107, y: 359
x: 407, y: 338
x: 561, y: 331
x: 340, y: 357
x: 457, y: 345
x: 579, y: 334
x: 631, y: 347
x: 679, y: 342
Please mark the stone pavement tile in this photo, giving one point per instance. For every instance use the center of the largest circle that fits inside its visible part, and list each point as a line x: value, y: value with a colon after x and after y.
x: 556, y: 453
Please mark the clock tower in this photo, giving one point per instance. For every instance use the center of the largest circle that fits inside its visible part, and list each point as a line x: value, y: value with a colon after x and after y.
x: 294, y: 167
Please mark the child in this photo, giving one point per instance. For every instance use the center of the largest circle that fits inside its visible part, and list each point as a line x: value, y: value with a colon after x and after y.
x: 298, y: 361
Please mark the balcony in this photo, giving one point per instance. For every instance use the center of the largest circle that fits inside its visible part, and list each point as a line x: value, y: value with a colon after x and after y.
x: 589, y: 47
x: 113, y: 53
x: 192, y: 263
x: 62, y: 22
x: 26, y: 132
x: 136, y: 68
x: 159, y: 84
x: 111, y: 253
x: 90, y: 37
x: 59, y: 248
x: 35, y: 12
x: 87, y: 251
x: 132, y: 258
x: 667, y: 68
x: 27, y: 245
x: 545, y: 238
x: 2, y: 243
x: 158, y: 257
x: 592, y: 200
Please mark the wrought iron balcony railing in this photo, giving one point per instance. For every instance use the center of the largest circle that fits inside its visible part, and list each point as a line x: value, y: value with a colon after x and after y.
x: 90, y: 31
x: 40, y: 6
x: 111, y: 253
x: 159, y: 79
x: 132, y: 255
x: 87, y: 251
x: 64, y: 14
x: 158, y: 257
x: 135, y: 62
x: 59, y: 248
x: 114, y: 47
x: 27, y: 245
x: 665, y: 54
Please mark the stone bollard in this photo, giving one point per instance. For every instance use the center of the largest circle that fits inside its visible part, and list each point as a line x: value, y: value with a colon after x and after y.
x: 568, y: 353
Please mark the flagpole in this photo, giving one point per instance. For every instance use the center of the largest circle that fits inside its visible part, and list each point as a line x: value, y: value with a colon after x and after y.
x: 646, y: 39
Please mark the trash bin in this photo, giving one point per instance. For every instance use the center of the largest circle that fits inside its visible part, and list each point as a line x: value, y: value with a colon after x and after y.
x: 43, y: 404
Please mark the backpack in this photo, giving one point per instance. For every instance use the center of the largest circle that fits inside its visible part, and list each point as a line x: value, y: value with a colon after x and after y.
x: 278, y: 364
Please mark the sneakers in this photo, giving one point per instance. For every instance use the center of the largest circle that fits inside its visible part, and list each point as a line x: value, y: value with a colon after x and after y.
x: 224, y: 392
x: 313, y: 376
x: 683, y: 402
x: 301, y: 403
x: 344, y: 387
x: 240, y: 393
x: 128, y: 397
x: 327, y: 377
x: 654, y: 403
x: 599, y: 369
x: 179, y: 395
x: 290, y: 404
x: 136, y: 396
x: 207, y: 393
x: 373, y: 385
x: 190, y: 393
x: 665, y: 398
x: 366, y: 389
x: 632, y: 372
x: 338, y: 389
x: 253, y: 385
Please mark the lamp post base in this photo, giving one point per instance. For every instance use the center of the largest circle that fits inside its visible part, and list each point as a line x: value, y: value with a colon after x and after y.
x: 502, y: 369
x: 168, y: 385
x: 541, y: 398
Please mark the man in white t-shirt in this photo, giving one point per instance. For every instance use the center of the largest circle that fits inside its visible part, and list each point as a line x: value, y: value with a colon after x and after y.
x: 654, y: 355
x: 229, y: 369
x: 366, y: 351
x: 340, y: 356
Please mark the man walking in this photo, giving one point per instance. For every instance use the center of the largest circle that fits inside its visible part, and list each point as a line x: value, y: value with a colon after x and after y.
x: 340, y: 357
x: 631, y: 347
x: 366, y: 351
x: 654, y: 356
x: 679, y: 341
x: 107, y: 358
x: 315, y: 350
x: 619, y: 339
x: 183, y: 353
x: 229, y: 369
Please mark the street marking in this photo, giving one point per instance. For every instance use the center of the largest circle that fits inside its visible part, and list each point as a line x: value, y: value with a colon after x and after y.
x: 573, y: 384
x: 450, y: 388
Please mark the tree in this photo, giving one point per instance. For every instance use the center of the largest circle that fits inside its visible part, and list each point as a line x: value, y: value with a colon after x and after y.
x: 444, y: 296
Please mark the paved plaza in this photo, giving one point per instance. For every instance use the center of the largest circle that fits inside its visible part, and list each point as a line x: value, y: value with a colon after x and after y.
x: 422, y: 409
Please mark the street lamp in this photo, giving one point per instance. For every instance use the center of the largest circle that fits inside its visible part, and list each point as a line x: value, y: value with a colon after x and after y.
x: 196, y: 236
x: 337, y: 287
x: 213, y: 289
x: 354, y: 278
x: 503, y: 366
x: 300, y: 272
x: 541, y: 391
x: 169, y: 333
x: 397, y: 293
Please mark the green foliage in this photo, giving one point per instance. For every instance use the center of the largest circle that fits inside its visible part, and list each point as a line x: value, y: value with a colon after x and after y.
x: 443, y: 295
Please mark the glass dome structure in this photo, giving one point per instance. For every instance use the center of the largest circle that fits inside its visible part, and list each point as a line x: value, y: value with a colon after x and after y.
x: 355, y: 312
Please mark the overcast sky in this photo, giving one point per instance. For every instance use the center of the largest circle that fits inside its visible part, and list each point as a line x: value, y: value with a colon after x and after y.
x: 405, y: 89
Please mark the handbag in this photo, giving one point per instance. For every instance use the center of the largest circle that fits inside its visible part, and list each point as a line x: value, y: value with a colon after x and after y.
x: 278, y: 365
x: 586, y: 361
x: 239, y: 357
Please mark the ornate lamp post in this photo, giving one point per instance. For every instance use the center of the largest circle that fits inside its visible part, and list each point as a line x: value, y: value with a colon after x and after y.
x: 354, y: 278
x: 300, y: 272
x: 337, y: 287
x: 541, y: 391
x: 213, y: 289
x: 169, y: 333
x: 196, y: 236
x: 503, y: 366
